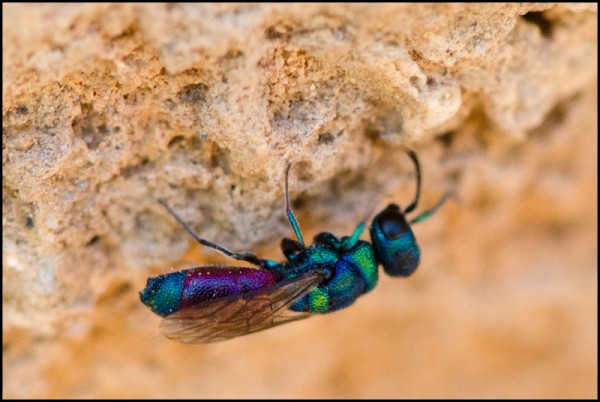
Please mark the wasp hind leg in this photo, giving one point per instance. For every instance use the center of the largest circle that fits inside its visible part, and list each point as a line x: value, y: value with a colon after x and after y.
x: 248, y: 257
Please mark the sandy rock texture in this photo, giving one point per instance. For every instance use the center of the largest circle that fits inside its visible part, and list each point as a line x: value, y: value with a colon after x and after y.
x: 106, y: 108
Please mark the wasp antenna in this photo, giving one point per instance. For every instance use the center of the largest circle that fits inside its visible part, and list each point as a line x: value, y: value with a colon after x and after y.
x: 415, y: 159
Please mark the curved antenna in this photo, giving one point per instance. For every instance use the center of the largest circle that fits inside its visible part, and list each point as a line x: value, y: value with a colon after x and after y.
x: 415, y: 160
x: 363, y: 223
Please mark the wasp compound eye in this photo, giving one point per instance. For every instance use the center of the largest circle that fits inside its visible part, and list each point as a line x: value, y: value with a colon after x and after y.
x: 392, y: 221
x: 394, y: 243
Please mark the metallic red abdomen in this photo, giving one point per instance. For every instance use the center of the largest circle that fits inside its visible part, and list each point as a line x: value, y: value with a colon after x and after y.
x: 168, y: 293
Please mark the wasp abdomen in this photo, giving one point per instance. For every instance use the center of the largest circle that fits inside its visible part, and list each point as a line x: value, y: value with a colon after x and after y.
x: 166, y: 294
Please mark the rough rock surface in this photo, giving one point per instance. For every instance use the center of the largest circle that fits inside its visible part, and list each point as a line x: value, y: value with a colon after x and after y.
x: 106, y: 108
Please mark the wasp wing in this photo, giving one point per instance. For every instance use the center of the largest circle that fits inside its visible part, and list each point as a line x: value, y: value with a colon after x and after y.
x: 225, y: 318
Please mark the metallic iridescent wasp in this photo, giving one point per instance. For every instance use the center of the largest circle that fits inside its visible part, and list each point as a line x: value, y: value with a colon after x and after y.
x: 215, y: 303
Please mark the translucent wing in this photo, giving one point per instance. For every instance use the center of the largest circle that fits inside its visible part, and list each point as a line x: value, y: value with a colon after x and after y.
x: 236, y: 315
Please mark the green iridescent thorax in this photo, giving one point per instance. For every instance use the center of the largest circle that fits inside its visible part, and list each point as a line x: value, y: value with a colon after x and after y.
x: 313, y: 257
x: 363, y: 257
x: 353, y: 272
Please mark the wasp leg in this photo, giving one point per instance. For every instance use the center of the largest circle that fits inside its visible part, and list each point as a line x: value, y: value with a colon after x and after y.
x: 249, y: 257
x: 288, y: 210
x: 426, y: 214
x: 290, y: 247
